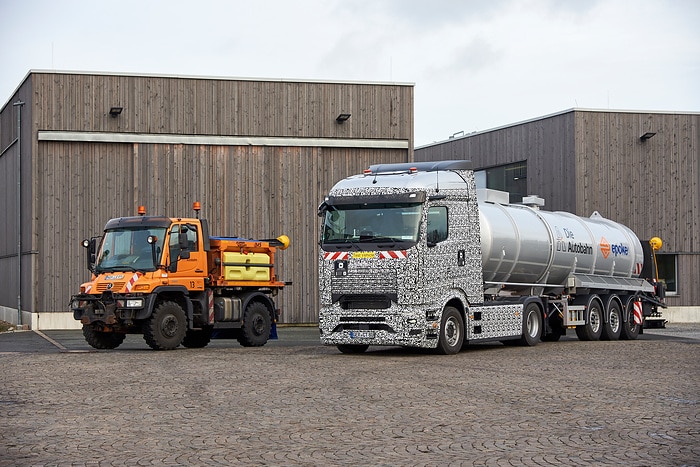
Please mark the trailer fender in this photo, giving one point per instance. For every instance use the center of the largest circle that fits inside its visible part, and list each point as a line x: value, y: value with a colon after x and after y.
x: 612, y: 317
x: 593, y: 327
x: 608, y: 301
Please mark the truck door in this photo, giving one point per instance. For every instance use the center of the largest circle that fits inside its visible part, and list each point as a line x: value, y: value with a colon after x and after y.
x: 440, y: 255
x: 184, y: 248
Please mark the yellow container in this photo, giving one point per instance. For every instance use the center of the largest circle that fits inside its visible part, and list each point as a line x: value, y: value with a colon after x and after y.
x: 242, y: 267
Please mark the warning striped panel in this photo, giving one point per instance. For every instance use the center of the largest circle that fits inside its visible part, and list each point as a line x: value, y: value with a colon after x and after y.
x: 638, y: 268
x: 210, y: 305
x: 332, y: 256
x: 638, y: 312
x: 392, y: 254
x: 130, y: 284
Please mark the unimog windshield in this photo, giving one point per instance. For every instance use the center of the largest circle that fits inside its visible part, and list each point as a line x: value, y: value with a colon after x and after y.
x: 371, y: 226
x: 127, y: 249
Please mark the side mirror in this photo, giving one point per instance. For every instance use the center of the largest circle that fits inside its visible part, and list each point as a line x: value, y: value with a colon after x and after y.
x: 152, y: 240
x: 91, y: 247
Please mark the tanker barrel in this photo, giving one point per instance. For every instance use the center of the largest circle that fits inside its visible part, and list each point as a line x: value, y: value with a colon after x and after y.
x: 523, y: 245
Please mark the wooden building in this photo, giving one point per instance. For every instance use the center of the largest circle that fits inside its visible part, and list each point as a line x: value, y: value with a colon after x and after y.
x: 258, y: 154
x: 641, y: 169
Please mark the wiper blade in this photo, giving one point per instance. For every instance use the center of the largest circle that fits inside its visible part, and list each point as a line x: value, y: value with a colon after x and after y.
x: 378, y: 240
x: 122, y: 267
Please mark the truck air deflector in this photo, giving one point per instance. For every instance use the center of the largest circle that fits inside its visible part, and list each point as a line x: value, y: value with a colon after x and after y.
x: 140, y: 221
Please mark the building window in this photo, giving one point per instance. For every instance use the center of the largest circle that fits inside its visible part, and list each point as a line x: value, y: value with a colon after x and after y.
x: 511, y: 178
x: 668, y: 272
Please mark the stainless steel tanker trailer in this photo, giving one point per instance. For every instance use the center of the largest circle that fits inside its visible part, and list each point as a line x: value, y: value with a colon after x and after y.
x: 410, y: 256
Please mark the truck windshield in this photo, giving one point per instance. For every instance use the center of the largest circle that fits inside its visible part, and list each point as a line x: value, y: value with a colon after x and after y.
x: 129, y: 250
x: 372, y: 226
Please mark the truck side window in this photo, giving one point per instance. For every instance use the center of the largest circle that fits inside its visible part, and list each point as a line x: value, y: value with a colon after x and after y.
x: 189, y: 231
x: 437, y: 224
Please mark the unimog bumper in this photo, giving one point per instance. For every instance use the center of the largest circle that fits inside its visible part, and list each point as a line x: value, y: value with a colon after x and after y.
x: 111, y: 309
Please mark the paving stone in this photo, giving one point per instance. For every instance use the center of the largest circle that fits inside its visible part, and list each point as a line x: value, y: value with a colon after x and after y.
x: 294, y: 402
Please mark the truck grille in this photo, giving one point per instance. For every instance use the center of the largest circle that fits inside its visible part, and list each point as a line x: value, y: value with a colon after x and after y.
x: 370, y: 280
x: 117, y: 287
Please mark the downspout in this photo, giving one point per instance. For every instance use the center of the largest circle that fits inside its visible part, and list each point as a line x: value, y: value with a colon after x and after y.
x: 19, y: 105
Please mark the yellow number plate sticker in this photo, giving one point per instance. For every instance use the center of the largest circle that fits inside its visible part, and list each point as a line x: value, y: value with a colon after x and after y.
x: 363, y: 254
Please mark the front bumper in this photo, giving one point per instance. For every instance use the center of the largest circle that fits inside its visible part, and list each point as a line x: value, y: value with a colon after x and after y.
x: 111, y: 309
x: 402, y: 326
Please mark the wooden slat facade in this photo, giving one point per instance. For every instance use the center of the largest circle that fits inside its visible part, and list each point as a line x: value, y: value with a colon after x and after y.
x: 583, y: 161
x: 256, y: 191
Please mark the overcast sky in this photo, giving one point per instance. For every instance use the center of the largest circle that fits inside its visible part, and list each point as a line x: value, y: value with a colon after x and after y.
x: 476, y: 64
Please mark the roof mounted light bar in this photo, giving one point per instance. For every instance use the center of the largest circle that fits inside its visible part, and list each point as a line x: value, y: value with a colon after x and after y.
x: 414, y: 167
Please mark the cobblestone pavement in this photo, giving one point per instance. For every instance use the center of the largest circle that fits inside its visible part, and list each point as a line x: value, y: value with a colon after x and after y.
x: 295, y: 402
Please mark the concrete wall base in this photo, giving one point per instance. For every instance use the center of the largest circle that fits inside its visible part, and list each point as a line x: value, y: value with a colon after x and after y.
x: 682, y: 314
x: 54, y: 320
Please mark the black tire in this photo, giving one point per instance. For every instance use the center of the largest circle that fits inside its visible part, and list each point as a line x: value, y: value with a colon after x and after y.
x: 352, y: 349
x: 532, y: 325
x: 197, y: 339
x: 629, y: 331
x: 593, y: 328
x: 613, y: 327
x: 451, y: 332
x: 102, y: 340
x: 556, y: 329
x: 167, y: 327
x: 257, y: 324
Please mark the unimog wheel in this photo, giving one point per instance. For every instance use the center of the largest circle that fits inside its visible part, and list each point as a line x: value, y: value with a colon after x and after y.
x: 593, y: 328
x: 451, y: 332
x: 532, y: 325
x: 102, y: 340
x: 197, y: 339
x: 257, y: 324
x: 166, y: 328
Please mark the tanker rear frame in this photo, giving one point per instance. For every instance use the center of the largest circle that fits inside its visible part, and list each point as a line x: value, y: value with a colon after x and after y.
x: 426, y: 288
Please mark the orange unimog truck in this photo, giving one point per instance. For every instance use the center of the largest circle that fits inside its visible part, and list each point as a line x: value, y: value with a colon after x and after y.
x: 168, y: 280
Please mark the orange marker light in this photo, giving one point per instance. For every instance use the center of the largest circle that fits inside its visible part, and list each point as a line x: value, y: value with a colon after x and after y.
x: 196, y: 206
x: 142, y: 210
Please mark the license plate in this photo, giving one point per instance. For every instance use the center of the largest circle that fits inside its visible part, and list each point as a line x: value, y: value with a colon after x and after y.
x: 361, y: 334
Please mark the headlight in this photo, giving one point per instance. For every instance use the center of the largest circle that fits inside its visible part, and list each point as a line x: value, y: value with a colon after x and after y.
x: 134, y: 303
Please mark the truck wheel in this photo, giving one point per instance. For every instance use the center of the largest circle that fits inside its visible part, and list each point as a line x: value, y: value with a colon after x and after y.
x: 532, y: 325
x: 197, y: 339
x: 350, y: 348
x: 451, y: 332
x: 556, y: 329
x: 629, y: 330
x: 256, y: 325
x: 166, y: 328
x: 594, y: 323
x: 102, y: 340
x: 611, y: 329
